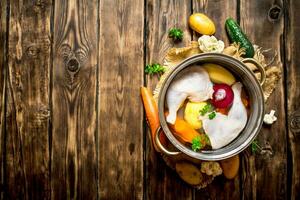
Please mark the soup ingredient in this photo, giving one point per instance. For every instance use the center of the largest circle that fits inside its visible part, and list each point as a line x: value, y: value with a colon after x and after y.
x: 236, y: 35
x: 230, y: 166
x: 270, y: 118
x: 223, y: 129
x: 210, y: 44
x: 189, y: 173
x: 192, y: 83
x: 186, y: 133
x: 222, y: 96
x: 202, y: 24
x: 211, y: 168
x: 154, y: 69
x: 199, y: 141
x: 151, y: 112
x: 176, y: 34
x: 224, y: 111
x: 212, y: 115
x: 207, y: 108
x: 191, y: 114
x: 219, y: 74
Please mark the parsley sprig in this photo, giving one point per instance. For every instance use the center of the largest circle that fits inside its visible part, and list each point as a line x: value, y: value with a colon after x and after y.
x: 212, y: 115
x: 200, y: 142
x: 154, y: 68
x: 206, y: 109
x: 176, y: 34
x: 255, y: 147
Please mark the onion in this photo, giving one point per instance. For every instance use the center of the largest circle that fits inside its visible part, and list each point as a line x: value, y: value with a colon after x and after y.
x: 222, y: 96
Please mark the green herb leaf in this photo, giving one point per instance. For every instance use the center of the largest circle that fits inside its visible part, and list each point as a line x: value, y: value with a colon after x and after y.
x: 212, y: 115
x: 207, y: 108
x: 154, y: 69
x: 176, y: 34
x: 255, y: 147
x: 196, y: 144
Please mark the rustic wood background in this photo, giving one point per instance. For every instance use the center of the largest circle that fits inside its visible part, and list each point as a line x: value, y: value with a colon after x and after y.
x: 71, y: 120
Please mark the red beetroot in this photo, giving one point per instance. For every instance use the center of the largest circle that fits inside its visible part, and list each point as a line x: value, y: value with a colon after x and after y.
x: 222, y: 96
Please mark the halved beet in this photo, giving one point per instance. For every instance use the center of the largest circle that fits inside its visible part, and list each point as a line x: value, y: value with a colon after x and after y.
x: 222, y: 96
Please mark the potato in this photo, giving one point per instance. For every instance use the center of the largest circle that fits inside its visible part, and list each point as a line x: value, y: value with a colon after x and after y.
x: 191, y: 114
x: 219, y: 74
x: 189, y: 173
x: 230, y: 166
x: 202, y: 24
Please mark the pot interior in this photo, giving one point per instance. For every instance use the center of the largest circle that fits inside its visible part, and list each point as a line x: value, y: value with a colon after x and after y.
x: 255, y: 117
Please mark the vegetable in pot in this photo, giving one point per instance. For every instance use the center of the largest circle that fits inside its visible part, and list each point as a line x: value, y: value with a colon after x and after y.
x: 222, y: 96
x: 186, y: 133
x: 219, y: 74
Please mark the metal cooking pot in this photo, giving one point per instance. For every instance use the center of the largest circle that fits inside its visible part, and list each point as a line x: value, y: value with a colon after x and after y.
x: 250, y: 84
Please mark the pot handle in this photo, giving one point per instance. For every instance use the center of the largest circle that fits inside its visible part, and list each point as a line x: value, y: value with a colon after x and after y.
x: 260, y: 68
x: 161, y: 147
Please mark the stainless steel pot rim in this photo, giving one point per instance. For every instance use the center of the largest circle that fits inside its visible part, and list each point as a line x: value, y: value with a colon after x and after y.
x: 224, y: 152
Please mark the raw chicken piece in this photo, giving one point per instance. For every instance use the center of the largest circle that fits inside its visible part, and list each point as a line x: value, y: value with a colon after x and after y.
x: 223, y: 129
x: 192, y: 83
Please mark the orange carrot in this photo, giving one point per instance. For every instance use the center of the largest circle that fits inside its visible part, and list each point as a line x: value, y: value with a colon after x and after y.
x: 186, y: 133
x: 245, y: 102
x: 151, y: 112
x: 224, y: 111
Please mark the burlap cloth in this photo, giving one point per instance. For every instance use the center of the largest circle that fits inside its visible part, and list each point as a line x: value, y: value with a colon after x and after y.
x: 175, y: 55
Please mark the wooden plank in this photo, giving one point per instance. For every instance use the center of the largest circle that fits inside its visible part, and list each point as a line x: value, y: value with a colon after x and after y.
x: 218, y: 11
x: 3, y: 73
x: 265, y: 176
x: 161, y: 181
x: 28, y: 117
x: 292, y: 62
x: 120, y: 111
x: 74, y: 152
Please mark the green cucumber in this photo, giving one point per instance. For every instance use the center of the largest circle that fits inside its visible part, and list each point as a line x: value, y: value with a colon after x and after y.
x: 236, y: 35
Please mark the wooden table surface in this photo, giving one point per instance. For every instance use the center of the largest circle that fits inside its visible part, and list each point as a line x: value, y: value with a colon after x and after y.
x: 72, y: 122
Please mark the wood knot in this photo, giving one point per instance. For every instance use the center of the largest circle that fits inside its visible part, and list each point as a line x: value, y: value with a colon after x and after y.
x: 32, y: 51
x: 73, y: 65
x: 295, y: 122
x: 275, y: 13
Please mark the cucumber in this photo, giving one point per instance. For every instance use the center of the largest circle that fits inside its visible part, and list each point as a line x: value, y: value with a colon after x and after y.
x: 236, y: 35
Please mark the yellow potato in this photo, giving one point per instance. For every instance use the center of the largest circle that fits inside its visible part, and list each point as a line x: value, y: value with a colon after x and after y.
x: 230, y: 166
x: 192, y: 112
x: 219, y: 74
x: 202, y: 24
x: 189, y: 173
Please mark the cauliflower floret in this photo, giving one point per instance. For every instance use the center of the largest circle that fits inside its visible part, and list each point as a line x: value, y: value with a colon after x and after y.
x: 210, y: 44
x: 211, y: 168
x: 270, y: 118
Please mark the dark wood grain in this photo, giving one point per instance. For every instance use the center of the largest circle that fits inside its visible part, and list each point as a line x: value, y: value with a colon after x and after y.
x: 161, y: 16
x: 218, y: 11
x: 266, y: 175
x: 27, y: 117
x: 74, y: 149
x: 292, y: 62
x: 3, y: 73
x: 120, y: 122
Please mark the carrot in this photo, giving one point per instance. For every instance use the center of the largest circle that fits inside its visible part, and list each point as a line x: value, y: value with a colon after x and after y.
x: 186, y: 133
x: 151, y: 113
x: 245, y: 102
x: 224, y: 111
